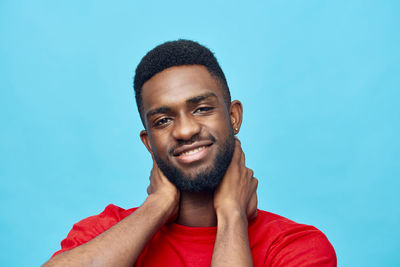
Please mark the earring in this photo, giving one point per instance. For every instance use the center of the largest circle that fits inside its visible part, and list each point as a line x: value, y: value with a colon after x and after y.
x: 236, y: 129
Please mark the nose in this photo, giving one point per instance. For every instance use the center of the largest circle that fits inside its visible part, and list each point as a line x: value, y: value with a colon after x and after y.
x: 185, y: 127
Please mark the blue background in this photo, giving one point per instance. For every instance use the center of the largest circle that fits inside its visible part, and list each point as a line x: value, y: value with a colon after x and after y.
x: 319, y: 81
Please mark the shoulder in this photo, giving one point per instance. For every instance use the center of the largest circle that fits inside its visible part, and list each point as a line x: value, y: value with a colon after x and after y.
x: 293, y: 244
x: 111, y: 215
x: 90, y: 227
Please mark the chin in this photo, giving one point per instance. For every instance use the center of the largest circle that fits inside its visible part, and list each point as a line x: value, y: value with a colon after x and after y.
x: 203, y: 178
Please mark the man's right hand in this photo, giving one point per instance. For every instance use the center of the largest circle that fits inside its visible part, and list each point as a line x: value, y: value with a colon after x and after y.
x: 122, y: 243
x: 161, y: 189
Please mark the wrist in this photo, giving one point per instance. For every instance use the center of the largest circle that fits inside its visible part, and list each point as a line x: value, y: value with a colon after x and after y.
x: 231, y: 215
x: 165, y: 205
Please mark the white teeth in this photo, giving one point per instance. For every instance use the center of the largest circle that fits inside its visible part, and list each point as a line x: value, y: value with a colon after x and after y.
x: 193, y: 151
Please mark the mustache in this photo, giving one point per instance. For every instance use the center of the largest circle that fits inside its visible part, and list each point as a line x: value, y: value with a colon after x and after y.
x: 195, y: 138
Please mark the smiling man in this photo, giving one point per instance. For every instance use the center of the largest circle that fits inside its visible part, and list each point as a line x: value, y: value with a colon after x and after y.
x: 201, y: 208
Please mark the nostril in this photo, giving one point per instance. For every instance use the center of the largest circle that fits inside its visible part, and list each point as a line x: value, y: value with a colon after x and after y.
x: 185, y: 129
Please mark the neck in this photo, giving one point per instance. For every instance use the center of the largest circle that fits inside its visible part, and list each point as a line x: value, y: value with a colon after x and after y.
x: 197, y: 210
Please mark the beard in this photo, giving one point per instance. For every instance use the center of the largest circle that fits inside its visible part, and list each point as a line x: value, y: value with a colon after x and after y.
x: 205, y: 179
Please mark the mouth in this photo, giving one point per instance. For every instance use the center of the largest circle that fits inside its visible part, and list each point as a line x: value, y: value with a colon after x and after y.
x: 191, y: 153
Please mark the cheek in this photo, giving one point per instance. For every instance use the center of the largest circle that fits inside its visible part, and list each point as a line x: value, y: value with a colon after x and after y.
x: 224, y: 121
x: 156, y: 143
x: 161, y: 144
x: 220, y: 127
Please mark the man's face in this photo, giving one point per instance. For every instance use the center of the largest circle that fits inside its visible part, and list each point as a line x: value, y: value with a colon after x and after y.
x: 189, y: 130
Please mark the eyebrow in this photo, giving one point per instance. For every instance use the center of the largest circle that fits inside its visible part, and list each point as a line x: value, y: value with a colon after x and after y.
x: 197, y: 99
x: 192, y: 100
x: 157, y: 111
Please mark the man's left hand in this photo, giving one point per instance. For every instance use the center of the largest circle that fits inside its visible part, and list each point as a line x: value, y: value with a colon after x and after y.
x: 237, y: 191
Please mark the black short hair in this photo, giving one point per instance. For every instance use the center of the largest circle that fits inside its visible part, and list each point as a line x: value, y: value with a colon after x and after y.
x: 176, y: 53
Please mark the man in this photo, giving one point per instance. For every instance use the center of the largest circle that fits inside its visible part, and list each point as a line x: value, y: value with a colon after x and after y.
x: 201, y: 208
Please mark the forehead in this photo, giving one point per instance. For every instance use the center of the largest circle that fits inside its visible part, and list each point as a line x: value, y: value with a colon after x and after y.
x: 173, y: 86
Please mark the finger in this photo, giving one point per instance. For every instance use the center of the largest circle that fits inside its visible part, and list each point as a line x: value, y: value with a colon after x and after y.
x: 237, y: 150
x: 160, y: 174
x: 151, y: 175
x: 254, y: 184
x: 238, y: 153
x: 250, y: 173
x: 155, y: 166
x: 252, y: 206
x: 151, y: 179
x: 156, y: 171
x: 237, y: 139
x: 243, y: 159
x: 238, y: 147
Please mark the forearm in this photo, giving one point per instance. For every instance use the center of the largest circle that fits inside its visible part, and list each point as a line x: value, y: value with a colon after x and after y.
x: 232, y: 243
x: 121, y: 244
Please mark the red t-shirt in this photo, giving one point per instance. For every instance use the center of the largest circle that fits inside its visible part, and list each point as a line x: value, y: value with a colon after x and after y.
x: 274, y: 241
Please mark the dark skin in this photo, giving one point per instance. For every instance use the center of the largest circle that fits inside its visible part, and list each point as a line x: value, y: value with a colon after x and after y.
x: 172, y: 116
x: 179, y: 103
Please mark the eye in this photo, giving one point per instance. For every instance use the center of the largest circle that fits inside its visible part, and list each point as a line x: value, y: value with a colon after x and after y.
x: 203, y: 109
x: 161, y: 122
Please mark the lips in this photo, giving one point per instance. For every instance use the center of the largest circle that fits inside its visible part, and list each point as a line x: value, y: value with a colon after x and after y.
x: 193, y: 152
x: 189, y: 148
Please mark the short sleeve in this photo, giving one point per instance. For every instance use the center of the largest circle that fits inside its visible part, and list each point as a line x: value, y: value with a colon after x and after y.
x: 303, y: 246
x: 89, y: 228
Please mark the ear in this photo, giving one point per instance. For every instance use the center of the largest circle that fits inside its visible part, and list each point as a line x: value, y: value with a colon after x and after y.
x: 236, y: 114
x: 145, y: 140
